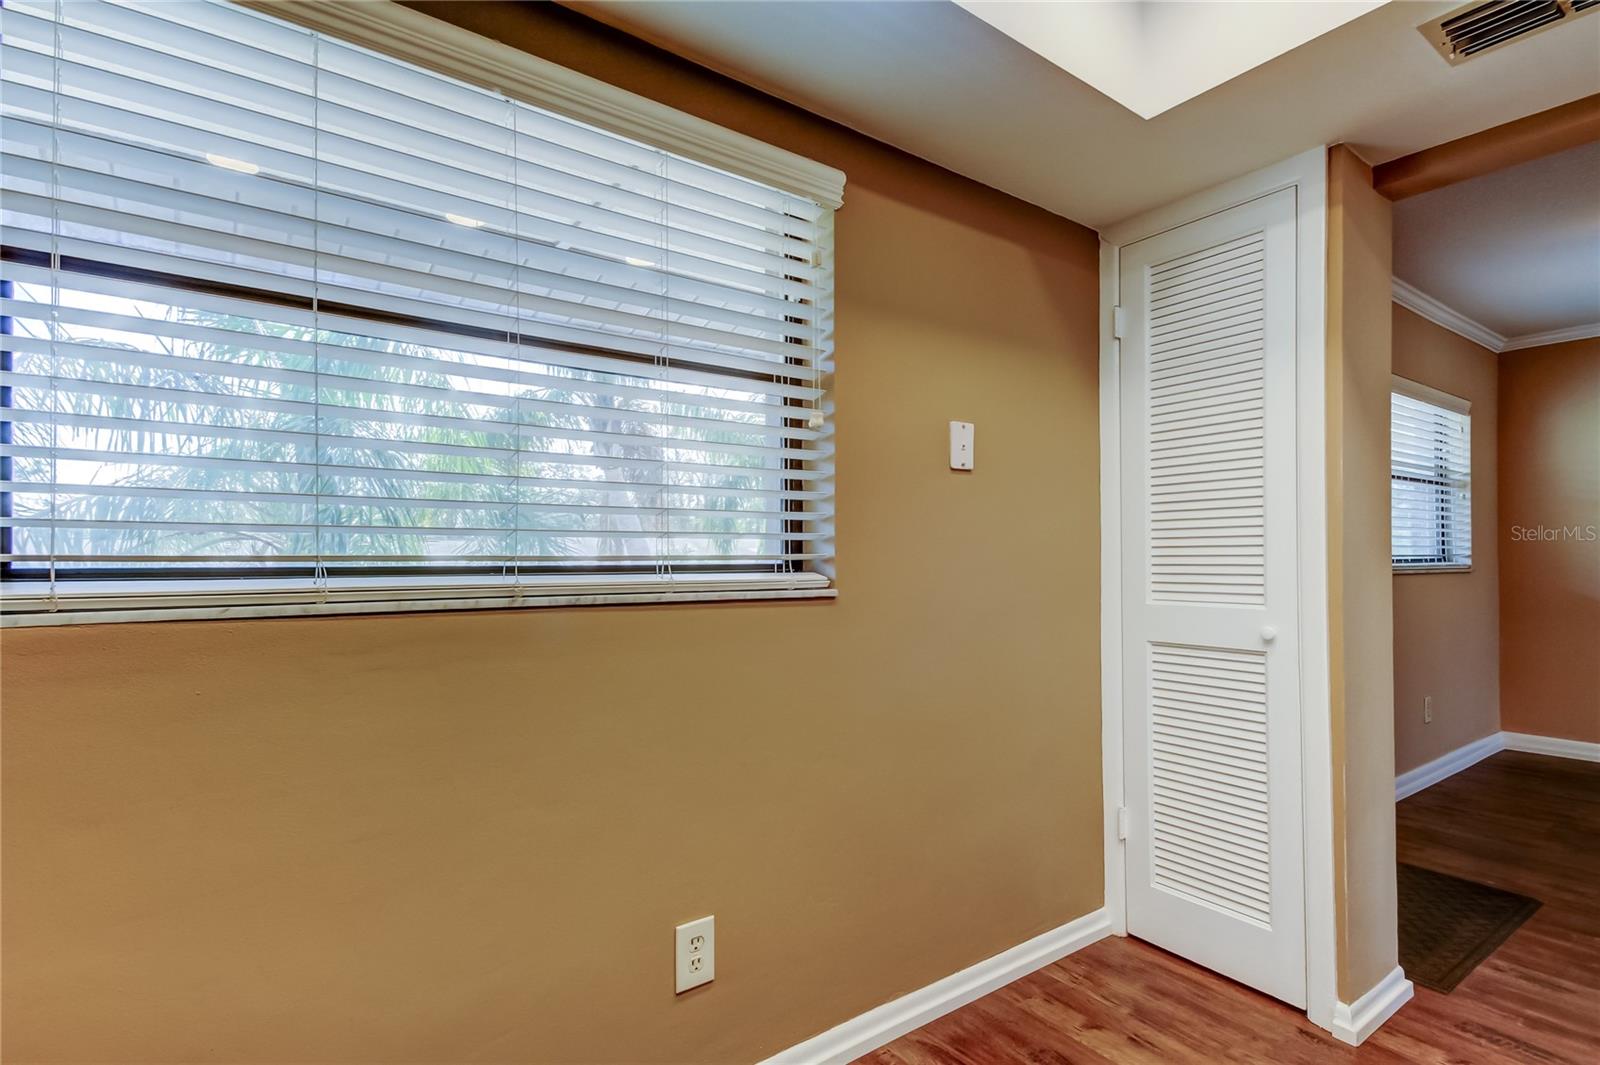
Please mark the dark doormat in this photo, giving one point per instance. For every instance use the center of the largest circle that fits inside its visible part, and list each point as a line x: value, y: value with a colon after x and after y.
x: 1448, y: 925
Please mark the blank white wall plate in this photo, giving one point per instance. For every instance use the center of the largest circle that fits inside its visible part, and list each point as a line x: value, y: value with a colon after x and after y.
x: 961, y: 445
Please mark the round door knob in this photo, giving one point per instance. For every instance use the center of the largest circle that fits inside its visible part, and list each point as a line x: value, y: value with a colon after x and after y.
x: 1268, y: 633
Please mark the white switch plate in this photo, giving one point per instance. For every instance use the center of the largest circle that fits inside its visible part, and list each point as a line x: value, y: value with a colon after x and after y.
x: 697, y: 953
x: 961, y: 445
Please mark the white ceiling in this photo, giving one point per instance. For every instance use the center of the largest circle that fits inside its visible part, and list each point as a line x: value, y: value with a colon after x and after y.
x: 929, y: 77
x: 1517, y: 250
x: 1143, y: 55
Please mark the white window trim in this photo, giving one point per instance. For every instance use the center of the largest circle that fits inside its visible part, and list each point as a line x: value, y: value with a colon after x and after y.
x: 1444, y: 400
x: 1423, y: 394
x: 394, y: 30
x: 203, y: 600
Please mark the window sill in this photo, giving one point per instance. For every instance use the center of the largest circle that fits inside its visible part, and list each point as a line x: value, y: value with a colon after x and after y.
x: 26, y: 608
x: 1443, y: 567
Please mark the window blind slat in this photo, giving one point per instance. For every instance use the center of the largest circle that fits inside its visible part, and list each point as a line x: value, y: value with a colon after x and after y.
x: 96, y: 94
x: 494, y: 283
x: 693, y: 480
x: 376, y: 88
x: 399, y: 502
x: 338, y: 424
x: 463, y: 305
x: 335, y: 390
x: 522, y: 358
x: 408, y: 181
x: 471, y: 379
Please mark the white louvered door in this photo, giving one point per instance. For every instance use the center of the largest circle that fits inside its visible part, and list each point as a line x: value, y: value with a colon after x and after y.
x: 1212, y: 708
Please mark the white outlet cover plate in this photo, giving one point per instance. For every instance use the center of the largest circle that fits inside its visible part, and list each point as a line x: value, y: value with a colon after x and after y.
x: 961, y: 445
x: 696, y: 953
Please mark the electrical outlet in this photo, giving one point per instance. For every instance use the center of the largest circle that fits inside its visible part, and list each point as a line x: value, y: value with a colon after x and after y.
x: 1427, y: 709
x: 697, y: 953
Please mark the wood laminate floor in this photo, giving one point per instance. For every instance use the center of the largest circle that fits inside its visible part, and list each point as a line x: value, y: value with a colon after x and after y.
x: 1523, y: 822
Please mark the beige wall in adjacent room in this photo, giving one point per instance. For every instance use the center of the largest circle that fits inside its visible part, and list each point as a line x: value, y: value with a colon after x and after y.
x: 1360, y: 594
x: 1550, y: 540
x: 1447, y: 625
x: 468, y: 836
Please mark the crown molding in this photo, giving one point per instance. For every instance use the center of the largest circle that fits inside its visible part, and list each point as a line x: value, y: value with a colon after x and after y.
x: 1554, y: 336
x: 1413, y: 299
x: 409, y: 35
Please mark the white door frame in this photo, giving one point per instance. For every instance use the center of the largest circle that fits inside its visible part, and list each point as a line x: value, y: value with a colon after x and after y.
x: 1307, y: 174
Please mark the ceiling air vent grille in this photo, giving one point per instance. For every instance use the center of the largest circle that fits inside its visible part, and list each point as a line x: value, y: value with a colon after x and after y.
x: 1478, y: 28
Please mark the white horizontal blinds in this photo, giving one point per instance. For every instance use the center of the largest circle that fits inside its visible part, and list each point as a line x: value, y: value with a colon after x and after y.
x: 279, y: 304
x: 1431, y: 483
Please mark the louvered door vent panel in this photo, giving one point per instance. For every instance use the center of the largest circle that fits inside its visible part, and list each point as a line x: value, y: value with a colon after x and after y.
x: 1208, y: 777
x: 1206, y: 425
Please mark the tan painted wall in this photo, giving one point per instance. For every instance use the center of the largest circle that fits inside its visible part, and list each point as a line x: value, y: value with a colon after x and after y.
x: 468, y: 836
x: 1361, y: 644
x: 1550, y: 581
x: 1447, y: 625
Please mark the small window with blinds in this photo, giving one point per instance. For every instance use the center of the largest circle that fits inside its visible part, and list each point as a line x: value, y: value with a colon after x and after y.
x: 1430, y: 479
x: 289, y: 321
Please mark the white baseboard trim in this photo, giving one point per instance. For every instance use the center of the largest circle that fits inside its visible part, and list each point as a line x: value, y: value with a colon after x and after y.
x: 888, y: 1022
x: 1414, y: 780
x: 1354, y: 1021
x: 1558, y: 748
x: 1448, y: 765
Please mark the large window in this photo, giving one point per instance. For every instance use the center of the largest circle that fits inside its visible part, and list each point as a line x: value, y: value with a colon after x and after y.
x: 1430, y: 479
x: 288, y: 320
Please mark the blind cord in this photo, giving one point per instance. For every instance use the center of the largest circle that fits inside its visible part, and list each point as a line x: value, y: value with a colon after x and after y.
x: 320, y: 577
x: 55, y: 308
x: 515, y: 340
